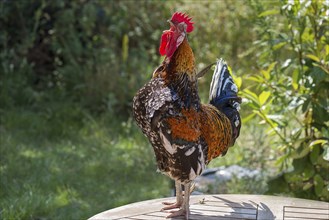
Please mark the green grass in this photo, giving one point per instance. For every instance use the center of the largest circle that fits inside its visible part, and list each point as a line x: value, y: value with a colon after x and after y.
x: 56, y: 166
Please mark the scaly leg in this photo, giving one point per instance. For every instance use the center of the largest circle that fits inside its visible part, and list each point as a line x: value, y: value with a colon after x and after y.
x: 185, y: 208
x: 192, y: 187
x: 179, y: 198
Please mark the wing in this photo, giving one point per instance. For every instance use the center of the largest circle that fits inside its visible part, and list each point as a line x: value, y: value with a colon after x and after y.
x: 180, y: 136
x: 149, y: 102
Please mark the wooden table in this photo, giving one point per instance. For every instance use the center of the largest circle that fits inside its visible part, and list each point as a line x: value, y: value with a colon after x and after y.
x: 226, y: 207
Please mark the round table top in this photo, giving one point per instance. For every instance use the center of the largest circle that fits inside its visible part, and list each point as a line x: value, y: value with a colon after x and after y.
x: 224, y: 206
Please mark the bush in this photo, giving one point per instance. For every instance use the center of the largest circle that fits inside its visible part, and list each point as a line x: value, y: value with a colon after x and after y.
x: 290, y: 94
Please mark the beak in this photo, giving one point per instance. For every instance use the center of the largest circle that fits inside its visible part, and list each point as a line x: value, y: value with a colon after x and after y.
x: 170, y: 22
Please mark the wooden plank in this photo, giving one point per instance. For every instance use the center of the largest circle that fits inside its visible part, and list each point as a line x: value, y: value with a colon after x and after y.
x: 218, y: 202
x: 156, y: 215
x: 152, y: 217
x: 305, y: 216
x: 207, y: 213
x: 306, y: 210
x: 239, y: 210
x: 299, y: 218
x: 204, y: 217
x: 159, y: 214
x: 129, y: 218
x: 291, y: 212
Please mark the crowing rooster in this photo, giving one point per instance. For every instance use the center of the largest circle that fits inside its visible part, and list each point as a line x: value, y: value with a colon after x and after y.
x: 185, y: 134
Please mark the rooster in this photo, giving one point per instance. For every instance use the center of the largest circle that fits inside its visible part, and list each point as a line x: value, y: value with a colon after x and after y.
x: 185, y: 134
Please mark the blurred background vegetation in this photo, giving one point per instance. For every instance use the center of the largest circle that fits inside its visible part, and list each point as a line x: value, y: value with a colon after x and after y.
x: 69, y: 71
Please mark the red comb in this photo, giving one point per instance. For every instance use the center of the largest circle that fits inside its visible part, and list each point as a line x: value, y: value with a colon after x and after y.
x: 182, y: 17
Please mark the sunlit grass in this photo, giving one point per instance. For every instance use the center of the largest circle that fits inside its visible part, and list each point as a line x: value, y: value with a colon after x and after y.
x: 84, y: 169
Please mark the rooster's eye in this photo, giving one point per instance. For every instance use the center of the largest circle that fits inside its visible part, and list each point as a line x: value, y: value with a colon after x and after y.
x: 182, y: 27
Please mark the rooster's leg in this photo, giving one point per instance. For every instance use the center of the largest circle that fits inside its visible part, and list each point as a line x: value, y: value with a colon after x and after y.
x: 179, y: 198
x: 185, y: 208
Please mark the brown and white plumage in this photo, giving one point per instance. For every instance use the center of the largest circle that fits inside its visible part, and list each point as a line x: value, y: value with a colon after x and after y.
x: 185, y: 134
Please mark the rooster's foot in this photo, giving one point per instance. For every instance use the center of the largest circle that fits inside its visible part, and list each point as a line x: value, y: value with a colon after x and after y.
x: 180, y: 212
x: 171, y: 205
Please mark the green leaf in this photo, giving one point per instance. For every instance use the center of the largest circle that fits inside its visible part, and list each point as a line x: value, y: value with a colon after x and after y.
x: 318, y: 184
x: 313, y: 57
x: 281, y: 159
x: 308, y: 172
x: 326, y: 153
x: 271, y: 66
x: 248, y: 118
x: 263, y: 97
x: 303, y: 168
x: 277, y: 119
x: 279, y: 45
x: 296, y: 133
x: 315, y: 153
x: 269, y: 12
x: 295, y: 79
x: 238, y: 81
x: 300, y: 152
x: 316, y: 142
x: 251, y: 96
x: 318, y: 74
x: 307, y: 186
x: 292, y: 177
x: 266, y: 73
x: 256, y: 79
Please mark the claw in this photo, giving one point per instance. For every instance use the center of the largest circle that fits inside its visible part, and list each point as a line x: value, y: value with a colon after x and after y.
x: 168, y: 203
x: 179, y: 199
x: 171, y: 205
x: 184, y: 206
x: 180, y: 212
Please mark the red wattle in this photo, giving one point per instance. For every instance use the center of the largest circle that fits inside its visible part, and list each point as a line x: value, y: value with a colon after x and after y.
x: 163, y: 44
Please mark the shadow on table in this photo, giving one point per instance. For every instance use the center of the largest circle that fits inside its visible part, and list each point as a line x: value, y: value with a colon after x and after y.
x: 222, y: 208
x: 261, y: 210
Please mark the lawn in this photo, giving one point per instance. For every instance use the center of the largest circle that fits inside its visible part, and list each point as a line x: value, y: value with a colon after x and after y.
x: 56, y: 167
x: 59, y: 162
